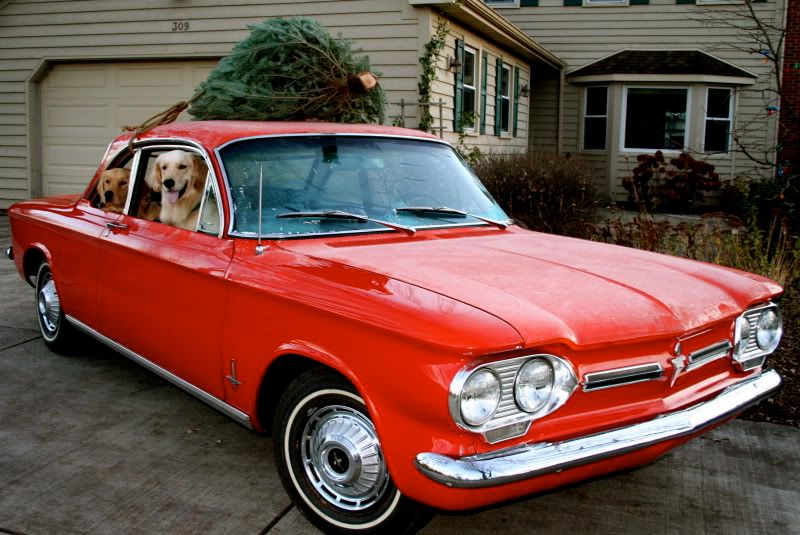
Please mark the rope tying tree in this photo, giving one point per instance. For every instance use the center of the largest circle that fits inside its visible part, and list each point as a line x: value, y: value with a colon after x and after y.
x: 167, y: 116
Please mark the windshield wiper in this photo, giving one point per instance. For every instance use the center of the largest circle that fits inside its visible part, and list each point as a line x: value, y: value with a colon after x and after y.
x: 339, y: 214
x: 444, y: 210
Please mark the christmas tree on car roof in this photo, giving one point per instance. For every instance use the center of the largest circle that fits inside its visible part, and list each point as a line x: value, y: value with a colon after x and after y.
x: 291, y: 69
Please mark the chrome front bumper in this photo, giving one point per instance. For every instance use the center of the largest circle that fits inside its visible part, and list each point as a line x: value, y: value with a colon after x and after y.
x: 531, y: 460
x: 10, y: 253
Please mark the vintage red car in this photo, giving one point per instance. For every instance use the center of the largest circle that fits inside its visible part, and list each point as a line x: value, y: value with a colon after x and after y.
x: 355, y: 290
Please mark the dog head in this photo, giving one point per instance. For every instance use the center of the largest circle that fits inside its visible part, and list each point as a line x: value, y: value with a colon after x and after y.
x: 175, y: 173
x: 113, y: 189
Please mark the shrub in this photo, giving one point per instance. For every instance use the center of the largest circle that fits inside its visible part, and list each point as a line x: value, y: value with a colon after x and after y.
x: 669, y: 185
x: 545, y: 191
x: 716, y: 238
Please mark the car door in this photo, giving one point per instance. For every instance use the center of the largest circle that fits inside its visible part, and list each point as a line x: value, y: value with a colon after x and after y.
x: 161, y: 288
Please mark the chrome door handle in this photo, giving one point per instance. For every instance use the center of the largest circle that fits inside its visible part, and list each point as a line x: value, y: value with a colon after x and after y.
x: 113, y: 225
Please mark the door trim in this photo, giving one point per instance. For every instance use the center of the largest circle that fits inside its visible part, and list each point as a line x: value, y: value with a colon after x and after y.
x: 221, y: 406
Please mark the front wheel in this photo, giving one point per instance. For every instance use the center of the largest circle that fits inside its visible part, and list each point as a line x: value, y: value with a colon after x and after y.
x: 331, y: 463
x: 58, y: 333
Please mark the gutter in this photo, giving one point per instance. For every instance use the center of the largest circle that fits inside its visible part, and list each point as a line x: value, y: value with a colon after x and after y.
x: 477, y: 15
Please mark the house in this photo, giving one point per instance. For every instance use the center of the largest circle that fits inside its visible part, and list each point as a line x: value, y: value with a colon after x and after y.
x: 648, y: 75
x: 73, y: 73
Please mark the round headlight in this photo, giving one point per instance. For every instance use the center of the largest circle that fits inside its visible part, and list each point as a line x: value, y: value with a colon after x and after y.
x: 768, y: 330
x: 534, y: 384
x: 480, y: 397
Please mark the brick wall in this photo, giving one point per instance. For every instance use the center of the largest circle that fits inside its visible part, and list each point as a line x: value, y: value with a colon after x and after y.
x: 790, y: 106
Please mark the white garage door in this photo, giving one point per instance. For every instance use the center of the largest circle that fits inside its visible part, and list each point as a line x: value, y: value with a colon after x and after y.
x: 84, y: 106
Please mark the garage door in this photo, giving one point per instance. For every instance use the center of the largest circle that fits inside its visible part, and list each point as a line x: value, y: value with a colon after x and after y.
x: 85, y: 105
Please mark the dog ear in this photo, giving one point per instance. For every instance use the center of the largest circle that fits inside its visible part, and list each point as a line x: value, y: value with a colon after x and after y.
x: 100, y: 184
x: 154, y: 178
x: 199, y: 172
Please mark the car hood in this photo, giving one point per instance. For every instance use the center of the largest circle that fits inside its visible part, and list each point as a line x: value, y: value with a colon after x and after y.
x: 553, y: 289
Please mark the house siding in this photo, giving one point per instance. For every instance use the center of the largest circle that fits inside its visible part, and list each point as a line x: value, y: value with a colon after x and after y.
x: 581, y: 35
x: 388, y: 31
x: 444, y: 88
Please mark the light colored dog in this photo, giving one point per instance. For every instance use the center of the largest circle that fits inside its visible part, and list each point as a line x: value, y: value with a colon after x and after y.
x: 180, y: 176
x: 113, y: 189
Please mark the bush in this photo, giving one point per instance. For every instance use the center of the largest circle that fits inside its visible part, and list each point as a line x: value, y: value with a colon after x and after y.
x: 716, y: 238
x: 766, y: 200
x: 672, y: 185
x: 545, y: 191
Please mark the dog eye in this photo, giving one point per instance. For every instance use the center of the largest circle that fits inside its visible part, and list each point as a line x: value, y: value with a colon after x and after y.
x: 123, y: 183
x: 108, y: 182
x: 182, y: 166
x: 163, y: 167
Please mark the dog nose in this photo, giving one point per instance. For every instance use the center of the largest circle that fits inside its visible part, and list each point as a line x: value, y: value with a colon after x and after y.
x: 109, y: 196
x: 168, y: 183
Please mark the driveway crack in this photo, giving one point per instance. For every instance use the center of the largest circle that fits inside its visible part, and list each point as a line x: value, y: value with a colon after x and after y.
x: 277, y: 519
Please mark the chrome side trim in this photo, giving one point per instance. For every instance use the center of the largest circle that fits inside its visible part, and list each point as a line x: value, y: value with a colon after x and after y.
x: 622, y: 376
x: 202, y: 395
x: 532, y: 460
x: 708, y: 354
x: 10, y: 253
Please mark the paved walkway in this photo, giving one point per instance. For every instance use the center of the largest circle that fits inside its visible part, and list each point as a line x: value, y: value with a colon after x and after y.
x: 96, y: 444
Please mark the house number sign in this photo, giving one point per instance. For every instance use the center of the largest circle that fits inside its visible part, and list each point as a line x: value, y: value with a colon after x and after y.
x: 180, y: 25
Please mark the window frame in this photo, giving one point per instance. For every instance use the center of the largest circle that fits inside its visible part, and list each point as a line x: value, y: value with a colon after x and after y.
x: 687, y: 122
x: 163, y: 145
x: 587, y: 116
x: 476, y: 72
x: 605, y: 3
x: 729, y: 119
x: 498, y: 113
x: 502, y: 4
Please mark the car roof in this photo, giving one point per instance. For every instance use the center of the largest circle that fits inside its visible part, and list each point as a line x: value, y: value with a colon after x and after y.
x: 212, y: 134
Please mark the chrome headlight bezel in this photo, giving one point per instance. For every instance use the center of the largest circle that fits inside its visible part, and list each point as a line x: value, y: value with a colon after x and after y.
x: 747, y: 353
x: 509, y: 420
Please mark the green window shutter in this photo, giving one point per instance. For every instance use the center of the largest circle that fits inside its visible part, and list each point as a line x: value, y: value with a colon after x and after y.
x: 684, y: 1
x: 573, y: 3
x: 638, y: 2
x: 484, y: 83
x: 516, y: 100
x: 497, y: 102
x: 529, y: 3
x: 458, y: 101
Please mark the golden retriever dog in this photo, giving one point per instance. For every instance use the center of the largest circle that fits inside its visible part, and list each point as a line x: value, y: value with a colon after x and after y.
x: 180, y: 176
x: 112, y: 189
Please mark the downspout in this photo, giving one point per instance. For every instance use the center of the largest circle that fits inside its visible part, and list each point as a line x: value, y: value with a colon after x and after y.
x: 560, y: 125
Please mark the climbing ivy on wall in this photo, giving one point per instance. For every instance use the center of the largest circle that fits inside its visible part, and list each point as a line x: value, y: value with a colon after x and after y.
x: 428, y: 62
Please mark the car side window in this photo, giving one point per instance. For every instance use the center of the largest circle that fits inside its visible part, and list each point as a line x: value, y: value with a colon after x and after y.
x: 111, y: 191
x: 172, y: 187
x: 209, y: 214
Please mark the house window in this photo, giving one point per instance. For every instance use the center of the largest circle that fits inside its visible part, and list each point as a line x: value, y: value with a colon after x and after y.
x: 595, y: 118
x: 502, y: 3
x: 655, y: 118
x: 504, y: 86
x: 470, y: 70
x: 719, y: 113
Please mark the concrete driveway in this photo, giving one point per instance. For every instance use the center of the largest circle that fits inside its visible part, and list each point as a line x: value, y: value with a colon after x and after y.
x: 96, y: 444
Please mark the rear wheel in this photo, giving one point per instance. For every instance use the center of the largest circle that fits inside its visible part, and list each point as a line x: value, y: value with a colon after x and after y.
x: 57, y: 332
x: 330, y: 460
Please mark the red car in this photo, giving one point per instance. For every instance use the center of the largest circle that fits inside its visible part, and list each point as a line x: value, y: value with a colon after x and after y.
x: 355, y: 290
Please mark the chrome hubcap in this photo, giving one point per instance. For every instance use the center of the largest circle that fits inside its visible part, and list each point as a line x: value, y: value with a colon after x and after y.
x: 49, y: 304
x: 342, y: 457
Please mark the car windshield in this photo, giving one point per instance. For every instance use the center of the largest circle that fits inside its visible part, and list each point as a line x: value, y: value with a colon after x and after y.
x: 372, y: 177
